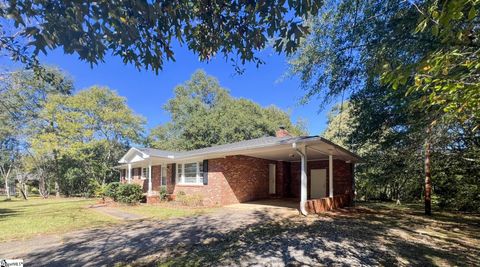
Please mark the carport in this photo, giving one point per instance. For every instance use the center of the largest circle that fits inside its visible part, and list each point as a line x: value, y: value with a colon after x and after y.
x: 312, y: 171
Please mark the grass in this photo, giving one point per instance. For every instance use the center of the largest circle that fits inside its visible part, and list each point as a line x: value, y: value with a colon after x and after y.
x: 163, y: 211
x: 20, y: 219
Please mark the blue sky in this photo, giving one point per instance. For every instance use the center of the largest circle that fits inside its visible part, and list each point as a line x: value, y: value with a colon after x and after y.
x: 146, y: 92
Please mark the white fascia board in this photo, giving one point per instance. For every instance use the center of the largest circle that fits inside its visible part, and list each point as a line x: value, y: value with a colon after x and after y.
x: 131, y: 150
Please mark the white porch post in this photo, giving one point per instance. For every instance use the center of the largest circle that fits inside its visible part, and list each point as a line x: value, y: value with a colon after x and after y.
x: 302, y: 151
x: 330, y: 175
x: 303, y: 180
x: 129, y: 175
x: 149, y: 178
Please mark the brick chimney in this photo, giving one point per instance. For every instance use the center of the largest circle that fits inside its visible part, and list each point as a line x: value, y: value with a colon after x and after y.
x: 282, y: 132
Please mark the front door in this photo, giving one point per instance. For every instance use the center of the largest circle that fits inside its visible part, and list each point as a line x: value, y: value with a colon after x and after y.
x: 271, y: 179
x: 318, y: 186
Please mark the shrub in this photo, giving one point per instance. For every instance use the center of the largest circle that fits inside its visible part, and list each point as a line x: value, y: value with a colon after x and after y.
x: 94, y: 188
x: 163, y: 193
x: 111, y: 190
x: 34, y: 191
x: 129, y: 193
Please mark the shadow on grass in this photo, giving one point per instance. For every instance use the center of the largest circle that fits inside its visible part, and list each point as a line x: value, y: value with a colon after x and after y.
x: 6, y: 213
x: 356, y: 236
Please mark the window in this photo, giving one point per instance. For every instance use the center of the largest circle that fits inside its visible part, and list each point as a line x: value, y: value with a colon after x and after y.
x: 144, y: 173
x: 190, y: 173
x: 163, y: 175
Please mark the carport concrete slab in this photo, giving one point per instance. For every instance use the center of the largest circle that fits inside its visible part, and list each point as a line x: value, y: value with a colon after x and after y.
x: 277, y: 206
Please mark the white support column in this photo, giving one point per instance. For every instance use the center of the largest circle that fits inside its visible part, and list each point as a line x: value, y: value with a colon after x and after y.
x: 330, y: 175
x: 149, y: 178
x: 303, y: 190
x: 129, y: 174
x: 302, y: 151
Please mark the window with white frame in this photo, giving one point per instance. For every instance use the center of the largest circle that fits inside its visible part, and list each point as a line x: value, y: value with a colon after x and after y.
x: 190, y: 173
x: 163, y: 175
x: 144, y: 173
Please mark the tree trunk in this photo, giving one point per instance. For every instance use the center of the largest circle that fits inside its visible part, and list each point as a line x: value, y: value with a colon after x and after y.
x: 57, y: 188
x: 428, y: 182
x: 22, y: 190
x: 7, y: 189
x: 57, y: 174
x: 42, y: 188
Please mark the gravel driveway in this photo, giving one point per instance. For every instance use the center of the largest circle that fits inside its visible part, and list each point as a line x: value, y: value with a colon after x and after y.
x: 248, y: 235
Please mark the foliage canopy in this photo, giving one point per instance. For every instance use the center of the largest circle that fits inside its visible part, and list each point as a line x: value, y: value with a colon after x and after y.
x: 144, y: 32
x: 204, y: 114
x: 409, y: 71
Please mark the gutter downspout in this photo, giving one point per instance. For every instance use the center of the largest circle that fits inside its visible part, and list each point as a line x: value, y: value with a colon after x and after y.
x: 303, y: 180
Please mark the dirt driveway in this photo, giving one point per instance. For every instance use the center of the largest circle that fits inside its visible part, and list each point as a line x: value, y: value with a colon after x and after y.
x: 263, y: 235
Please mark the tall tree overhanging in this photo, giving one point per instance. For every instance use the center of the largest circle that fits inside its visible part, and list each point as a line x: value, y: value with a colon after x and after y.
x: 143, y: 32
x: 429, y: 47
x: 204, y: 114
x: 425, y: 50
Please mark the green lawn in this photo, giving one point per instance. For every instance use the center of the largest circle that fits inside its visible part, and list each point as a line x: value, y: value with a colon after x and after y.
x: 163, y: 211
x: 20, y: 219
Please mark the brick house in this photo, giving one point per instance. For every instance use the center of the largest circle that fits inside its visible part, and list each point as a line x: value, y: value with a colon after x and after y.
x: 311, y: 169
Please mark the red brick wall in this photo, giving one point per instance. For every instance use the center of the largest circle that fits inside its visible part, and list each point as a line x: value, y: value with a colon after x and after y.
x: 231, y: 180
x: 282, y: 178
x: 156, y: 178
x: 342, y: 176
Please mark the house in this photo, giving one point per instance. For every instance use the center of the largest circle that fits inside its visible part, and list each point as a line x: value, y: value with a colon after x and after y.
x: 311, y: 169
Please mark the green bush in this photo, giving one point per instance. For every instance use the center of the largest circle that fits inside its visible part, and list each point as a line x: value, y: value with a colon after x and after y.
x: 34, y: 191
x: 94, y: 189
x: 111, y: 190
x: 129, y: 193
x: 163, y: 193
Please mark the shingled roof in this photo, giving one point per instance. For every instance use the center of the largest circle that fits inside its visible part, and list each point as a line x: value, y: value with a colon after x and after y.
x: 261, y: 142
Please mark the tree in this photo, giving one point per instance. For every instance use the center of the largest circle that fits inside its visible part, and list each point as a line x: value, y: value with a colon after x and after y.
x: 204, y: 114
x: 429, y: 47
x: 143, y: 32
x: 341, y: 122
x: 375, y: 49
x: 22, y: 95
x: 375, y: 125
x: 84, y: 134
x: 448, y: 74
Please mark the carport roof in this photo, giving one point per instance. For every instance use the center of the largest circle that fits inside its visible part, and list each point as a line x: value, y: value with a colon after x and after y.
x: 242, y: 146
